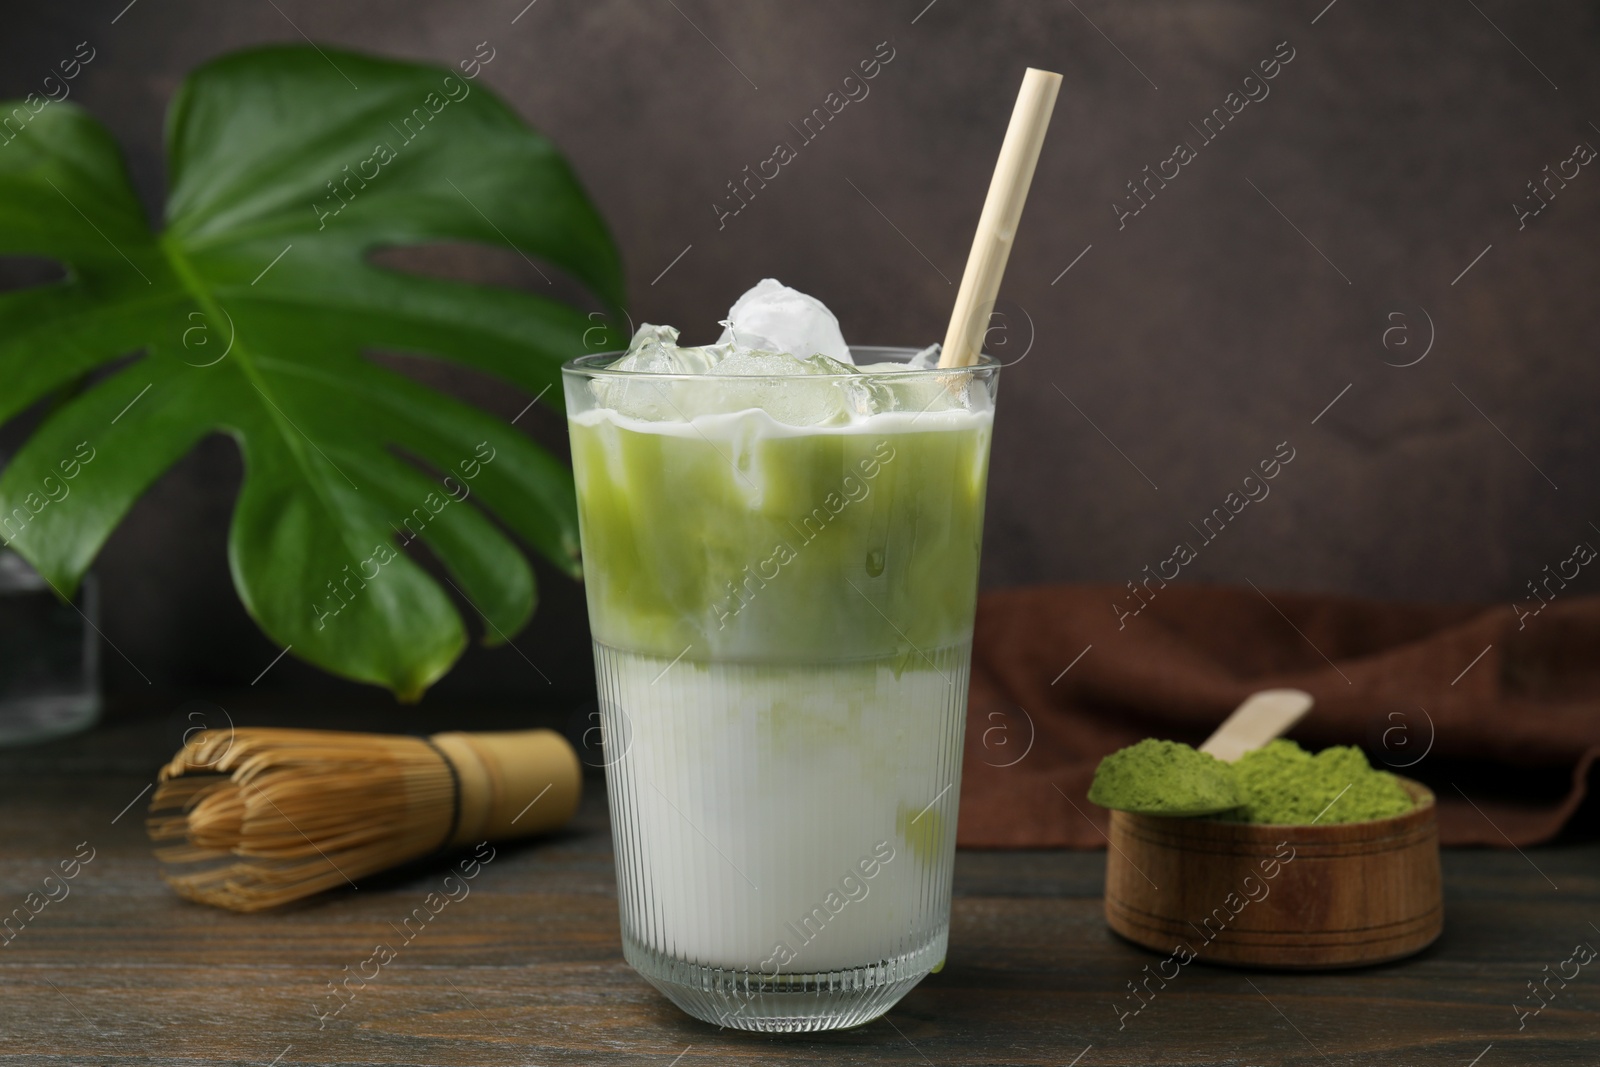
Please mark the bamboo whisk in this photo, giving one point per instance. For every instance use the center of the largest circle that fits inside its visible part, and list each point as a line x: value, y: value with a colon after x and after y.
x: 265, y: 816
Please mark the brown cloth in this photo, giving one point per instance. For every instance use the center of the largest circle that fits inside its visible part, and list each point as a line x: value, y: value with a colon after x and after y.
x: 1499, y: 715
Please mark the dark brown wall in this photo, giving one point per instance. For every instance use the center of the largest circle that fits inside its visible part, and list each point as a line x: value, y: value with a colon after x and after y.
x: 1217, y: 323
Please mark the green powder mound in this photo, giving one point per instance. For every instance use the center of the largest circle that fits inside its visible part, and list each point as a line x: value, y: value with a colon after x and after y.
x: 1284, y: 784
x: 1164, y: 778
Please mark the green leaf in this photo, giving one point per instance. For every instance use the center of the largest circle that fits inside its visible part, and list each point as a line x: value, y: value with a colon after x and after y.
x: 251, y: 314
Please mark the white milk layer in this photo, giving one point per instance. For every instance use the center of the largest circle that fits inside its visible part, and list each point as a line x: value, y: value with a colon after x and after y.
x: 784, y: 819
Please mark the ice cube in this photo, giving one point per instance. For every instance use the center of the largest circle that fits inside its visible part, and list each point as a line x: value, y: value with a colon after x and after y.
x: 821, y: 364
x: 921, y: 395
x: 864, y: 390
x: 638, y: 398
x: 796, y: 402
x: 772, y: 332
x: 895, y: 390
x: 653, y: 350
x: 754, y: 363
x: 865, y: 396
x: 775, y: 318
x: 806, y: 395
x: 807, y: 402
x: 648, y: 334
x: 927, y: 359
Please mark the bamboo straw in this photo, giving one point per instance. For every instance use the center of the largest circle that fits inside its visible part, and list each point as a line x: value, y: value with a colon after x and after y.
x: 1002, y: 210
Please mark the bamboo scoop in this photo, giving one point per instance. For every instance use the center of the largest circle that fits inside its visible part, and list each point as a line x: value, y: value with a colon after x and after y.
x: 1264, y: 716
x: 997, y: 226
x: 266, y: 816
x: 1207, y: 787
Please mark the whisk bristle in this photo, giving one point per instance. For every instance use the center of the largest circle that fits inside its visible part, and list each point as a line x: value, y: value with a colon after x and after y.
x: 263, y: 816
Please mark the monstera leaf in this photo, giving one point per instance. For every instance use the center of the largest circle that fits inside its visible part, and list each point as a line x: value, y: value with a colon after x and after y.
x: 251, y: 312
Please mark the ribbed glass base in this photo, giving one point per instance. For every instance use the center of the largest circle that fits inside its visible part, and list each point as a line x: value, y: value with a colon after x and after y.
x: 787, y: 1003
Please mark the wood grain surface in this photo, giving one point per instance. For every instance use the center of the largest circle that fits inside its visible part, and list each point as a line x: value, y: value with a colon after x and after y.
x: 527, y: 968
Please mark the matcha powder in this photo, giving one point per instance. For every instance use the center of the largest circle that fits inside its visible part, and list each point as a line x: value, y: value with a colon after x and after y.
x: 1280, y: 783
x: 1283, y: 783
x: 1164, y: 778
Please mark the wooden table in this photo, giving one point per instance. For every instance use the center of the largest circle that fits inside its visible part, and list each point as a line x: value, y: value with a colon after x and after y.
x: 528, y: 968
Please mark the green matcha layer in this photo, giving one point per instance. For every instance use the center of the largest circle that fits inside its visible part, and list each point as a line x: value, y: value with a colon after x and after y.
x: 734, y: 537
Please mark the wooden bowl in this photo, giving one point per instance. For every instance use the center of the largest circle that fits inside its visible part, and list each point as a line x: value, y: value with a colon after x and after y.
x: 1291, y: 897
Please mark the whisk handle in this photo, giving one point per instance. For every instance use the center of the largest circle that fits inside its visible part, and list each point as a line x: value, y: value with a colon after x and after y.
x: 511, y: 783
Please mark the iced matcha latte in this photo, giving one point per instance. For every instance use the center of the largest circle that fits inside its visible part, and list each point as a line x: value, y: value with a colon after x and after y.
x: 780, y: 540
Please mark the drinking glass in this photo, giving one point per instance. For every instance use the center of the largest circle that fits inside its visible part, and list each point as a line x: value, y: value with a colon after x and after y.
x: 781, y: 592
